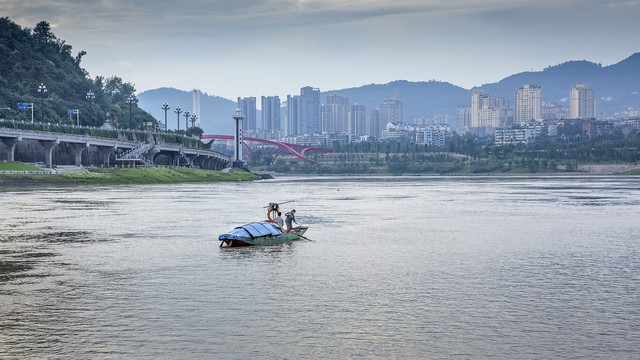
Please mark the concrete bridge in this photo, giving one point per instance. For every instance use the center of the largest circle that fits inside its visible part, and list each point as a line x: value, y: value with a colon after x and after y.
x: 126, y: 152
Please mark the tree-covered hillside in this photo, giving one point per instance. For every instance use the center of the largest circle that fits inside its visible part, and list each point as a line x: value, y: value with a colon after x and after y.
x: 31, y: 57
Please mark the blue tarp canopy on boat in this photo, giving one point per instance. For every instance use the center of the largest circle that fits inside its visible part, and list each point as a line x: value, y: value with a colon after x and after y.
x: 261, y: 229
x: 252, y: 230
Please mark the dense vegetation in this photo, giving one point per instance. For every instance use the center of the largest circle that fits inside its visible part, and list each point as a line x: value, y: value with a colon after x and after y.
x: 31, y: 57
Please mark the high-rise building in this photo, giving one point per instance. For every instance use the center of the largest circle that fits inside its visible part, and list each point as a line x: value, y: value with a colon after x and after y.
x: 248, y: 107
x: 374, y: 123
x: 528, y: 103
x: 488, y: 111
x: 335, y: 114
x: 197, y: 94
x: 310, y: 122
x: 391, y: 112
x: 271, y: 113
x: 293, y: 118
x: 357, y: 120
x: 478, y: 100
x: 464, y: 119
x: 582, y: 102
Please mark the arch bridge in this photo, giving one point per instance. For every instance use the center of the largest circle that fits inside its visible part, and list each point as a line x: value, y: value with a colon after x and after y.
x: 249, y: 143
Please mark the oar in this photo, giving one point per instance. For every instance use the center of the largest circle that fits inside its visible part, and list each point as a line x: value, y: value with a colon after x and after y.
x: 302, y: 236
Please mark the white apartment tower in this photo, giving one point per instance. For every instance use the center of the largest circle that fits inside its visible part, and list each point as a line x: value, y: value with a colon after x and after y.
x: 487, y: 111
x: 357, y: 120
x: 582, y: 102
x: 292, y: 124
x: 335, y: 114
x: 391, y: 112
x: 310, y: 116
x: 271, y: 113
x: 197, y: 94
x: 248, y: 107
x: 528, y: 103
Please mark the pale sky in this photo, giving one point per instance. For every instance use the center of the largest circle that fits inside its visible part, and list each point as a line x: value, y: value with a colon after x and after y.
x: 234, y: 48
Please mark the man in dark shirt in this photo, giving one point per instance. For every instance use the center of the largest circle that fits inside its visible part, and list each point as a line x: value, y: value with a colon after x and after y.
x: 290, y: 217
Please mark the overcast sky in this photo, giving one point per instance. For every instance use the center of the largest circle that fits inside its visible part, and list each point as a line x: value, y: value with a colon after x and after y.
x: 233, y: 48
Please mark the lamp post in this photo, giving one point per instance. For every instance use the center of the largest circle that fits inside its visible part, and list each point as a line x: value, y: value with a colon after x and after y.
x: 131, y: 100
x: 178, y: 111
x: 42, y: 90
x: 165, y: 107
x: 90, y: 97
x: 186, y: 120
x: 194, y: 117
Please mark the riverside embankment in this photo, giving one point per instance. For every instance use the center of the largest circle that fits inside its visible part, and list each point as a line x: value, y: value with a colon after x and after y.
x: 106, y: 176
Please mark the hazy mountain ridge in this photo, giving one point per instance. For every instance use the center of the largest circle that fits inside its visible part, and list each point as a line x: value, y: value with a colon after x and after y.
x: 617, y: 87
x: 216, y: 111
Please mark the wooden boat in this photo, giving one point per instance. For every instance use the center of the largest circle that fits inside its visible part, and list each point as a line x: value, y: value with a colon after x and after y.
x: 266, y: 232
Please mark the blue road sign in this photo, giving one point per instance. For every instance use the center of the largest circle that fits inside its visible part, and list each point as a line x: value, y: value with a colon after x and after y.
x: 23, y: 106
x: 71, y: 111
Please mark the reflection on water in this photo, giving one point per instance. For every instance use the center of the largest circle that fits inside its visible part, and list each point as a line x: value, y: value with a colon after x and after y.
x: 399, y: 267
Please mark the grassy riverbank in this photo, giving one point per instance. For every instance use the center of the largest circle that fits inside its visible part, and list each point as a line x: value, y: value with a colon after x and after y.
x: 17, y: 166
x: 129, y: 176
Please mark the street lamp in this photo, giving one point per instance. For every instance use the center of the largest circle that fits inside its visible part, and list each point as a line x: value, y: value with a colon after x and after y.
x: 186, y: 120
x: 165, y: 107
x: 90, y: 97
x: 42, y: 90
x: 194, y: 117
x: 131, y: 100
x: 178, y: 111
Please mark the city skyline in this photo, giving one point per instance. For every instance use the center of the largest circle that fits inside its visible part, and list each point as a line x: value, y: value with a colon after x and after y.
x: 250, y: 49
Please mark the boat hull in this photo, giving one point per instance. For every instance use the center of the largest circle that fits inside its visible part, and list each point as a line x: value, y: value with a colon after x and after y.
x: 235, y: 238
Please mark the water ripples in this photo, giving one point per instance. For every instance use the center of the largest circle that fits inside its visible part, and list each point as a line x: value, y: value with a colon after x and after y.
x: 402, y: 267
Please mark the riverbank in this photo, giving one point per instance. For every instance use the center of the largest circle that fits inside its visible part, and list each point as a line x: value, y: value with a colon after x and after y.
x: 116, y: 176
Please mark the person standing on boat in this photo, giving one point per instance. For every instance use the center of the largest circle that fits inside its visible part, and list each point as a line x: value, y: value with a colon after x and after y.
x: 279, y: 221
x: 289, y: 218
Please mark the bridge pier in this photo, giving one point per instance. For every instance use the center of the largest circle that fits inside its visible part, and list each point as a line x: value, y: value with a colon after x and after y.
x: 106, y: 151
x: 48, y: 151
x: 11, y: 147
x: 190, y: 159
x: 152, y: 154
x: 78, y: 149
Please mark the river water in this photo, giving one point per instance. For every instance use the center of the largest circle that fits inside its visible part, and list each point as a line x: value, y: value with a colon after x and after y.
x: 397, y: 267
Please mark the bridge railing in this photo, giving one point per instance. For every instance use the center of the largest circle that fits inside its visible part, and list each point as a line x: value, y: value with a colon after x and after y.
x: 103, y: 134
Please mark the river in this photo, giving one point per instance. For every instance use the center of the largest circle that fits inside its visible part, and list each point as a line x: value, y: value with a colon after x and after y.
x: 418, y: 267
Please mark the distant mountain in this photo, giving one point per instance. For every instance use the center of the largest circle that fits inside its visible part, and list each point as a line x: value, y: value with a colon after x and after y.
x: 418, y: 98
x: 216, y: 111
x: 617, y: 87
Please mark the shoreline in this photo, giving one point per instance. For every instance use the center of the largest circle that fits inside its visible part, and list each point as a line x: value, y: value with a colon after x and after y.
x: 136, y: 176
x: 125, y: 176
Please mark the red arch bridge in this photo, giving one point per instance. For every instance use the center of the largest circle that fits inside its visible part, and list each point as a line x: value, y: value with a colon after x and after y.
x: 271, y: 148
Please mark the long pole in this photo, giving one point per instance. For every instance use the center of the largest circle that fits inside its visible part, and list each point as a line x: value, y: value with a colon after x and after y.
x: 131, y: 100
x: 178, y: 111
x: 186, y: 120
x: 90, y: 97
x: 42, y: 89
x: 165, y: 107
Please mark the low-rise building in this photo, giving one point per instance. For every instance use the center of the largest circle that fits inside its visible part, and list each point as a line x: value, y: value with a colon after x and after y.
x: 433, y: 135
x: 514, y: 136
